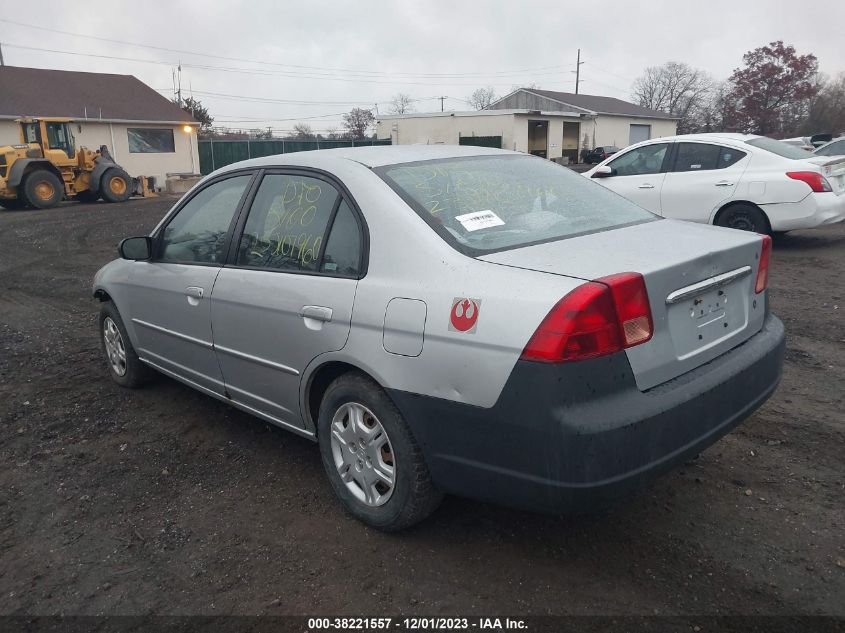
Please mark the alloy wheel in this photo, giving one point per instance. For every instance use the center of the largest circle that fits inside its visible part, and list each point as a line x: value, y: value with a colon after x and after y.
x: 115, y: 349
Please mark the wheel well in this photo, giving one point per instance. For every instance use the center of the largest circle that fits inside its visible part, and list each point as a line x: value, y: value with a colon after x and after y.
x: 320, y: 381
x: 31, y: 167
x: 101, y: 295
x: 735, y: 203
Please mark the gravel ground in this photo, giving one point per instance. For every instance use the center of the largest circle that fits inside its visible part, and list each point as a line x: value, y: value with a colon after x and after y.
x: 165, y: 501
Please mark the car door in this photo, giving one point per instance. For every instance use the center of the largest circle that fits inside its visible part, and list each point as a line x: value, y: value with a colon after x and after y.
x: 170, y: 294
x: 638, y: 174
x: 286, y: 294
x: 702, y: 176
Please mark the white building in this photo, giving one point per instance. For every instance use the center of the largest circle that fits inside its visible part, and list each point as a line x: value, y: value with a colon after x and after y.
x: 146, y: 133
x: 541, y: 122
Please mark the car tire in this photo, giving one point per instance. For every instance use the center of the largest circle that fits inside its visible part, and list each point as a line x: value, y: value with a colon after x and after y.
x: 744, y: 217
x: 115, y: 185
x: 362, y: 434
x: 125, y: 367
x: 42, y: 189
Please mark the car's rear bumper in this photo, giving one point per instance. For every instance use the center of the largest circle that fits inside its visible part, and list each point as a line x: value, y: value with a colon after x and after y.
x: 817, y: 209
x: 574, y: 437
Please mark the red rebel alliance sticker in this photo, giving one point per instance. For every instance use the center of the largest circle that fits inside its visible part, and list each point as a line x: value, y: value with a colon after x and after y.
x: 464, y: 314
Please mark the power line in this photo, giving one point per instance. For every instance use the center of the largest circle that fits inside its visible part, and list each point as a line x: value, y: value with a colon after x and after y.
x: 250, y: 71
x: 592, y: 65
x: 375, y: 73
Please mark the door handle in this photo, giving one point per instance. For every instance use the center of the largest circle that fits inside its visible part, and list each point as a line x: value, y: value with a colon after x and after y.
x: 195, y: 292
x: 724, y: 183
x: 318, y: 313
x: 646, y: 185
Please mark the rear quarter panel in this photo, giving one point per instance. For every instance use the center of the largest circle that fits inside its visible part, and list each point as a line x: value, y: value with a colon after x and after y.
x: 407, y: 259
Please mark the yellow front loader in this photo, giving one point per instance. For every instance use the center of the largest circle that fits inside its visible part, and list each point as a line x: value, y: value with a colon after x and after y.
x: 47, y: 167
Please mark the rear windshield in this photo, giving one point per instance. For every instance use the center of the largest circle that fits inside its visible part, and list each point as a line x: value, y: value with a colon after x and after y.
x: 779, y: 147
x: 483, y: 204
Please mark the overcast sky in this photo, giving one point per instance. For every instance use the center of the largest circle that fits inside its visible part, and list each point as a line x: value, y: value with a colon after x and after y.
x: 331, y: 55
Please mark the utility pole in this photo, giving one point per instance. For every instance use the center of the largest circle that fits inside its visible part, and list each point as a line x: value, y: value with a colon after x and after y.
x: 1, y: 54
x: 578, y: 71
x: 442, y: 99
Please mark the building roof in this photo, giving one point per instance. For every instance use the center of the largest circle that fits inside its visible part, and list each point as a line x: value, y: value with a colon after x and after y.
x: 471, y: 113
x: 595, y: 104
x: 77, y: 95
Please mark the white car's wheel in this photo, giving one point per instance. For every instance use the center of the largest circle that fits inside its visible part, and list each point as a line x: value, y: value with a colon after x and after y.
x: 744, y: 217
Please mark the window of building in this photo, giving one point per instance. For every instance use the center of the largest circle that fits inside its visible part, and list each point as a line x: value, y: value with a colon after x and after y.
x: 146, y: 140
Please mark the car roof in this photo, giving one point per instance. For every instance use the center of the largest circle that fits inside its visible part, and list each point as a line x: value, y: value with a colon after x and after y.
x: 711, y: 136
x: 369, y: 156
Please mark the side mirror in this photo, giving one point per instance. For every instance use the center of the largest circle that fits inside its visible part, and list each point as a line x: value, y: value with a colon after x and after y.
x: 603, y: 172
x: 136, y: 248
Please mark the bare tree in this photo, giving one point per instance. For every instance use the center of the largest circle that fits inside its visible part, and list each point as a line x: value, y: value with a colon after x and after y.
x: 333, y: 133
x: 827, y: 111
x: 401, y: 103
x: 357, y: 122
x: 302, y: 131
x: 482, y: 98
x: 675, y: 88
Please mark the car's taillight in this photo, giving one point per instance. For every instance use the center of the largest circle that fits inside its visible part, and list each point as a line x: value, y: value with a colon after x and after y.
x: 597, y: 318
x: 763, y: 270
x: 817, y: 182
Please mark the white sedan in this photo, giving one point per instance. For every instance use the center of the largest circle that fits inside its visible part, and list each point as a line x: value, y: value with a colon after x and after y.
x: 740, y: 181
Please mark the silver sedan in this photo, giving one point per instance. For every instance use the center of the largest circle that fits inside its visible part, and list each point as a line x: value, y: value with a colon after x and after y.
x: 449, y: 320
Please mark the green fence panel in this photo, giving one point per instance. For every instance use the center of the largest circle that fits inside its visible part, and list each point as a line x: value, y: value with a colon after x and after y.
x: 216, y: 154
x: 482, y: 141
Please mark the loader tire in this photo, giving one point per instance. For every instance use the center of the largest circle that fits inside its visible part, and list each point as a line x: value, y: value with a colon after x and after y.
x: 115, y: 185
x: 43, y: 189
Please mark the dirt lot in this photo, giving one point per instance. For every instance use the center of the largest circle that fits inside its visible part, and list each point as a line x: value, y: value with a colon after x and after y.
x: 165, y: 501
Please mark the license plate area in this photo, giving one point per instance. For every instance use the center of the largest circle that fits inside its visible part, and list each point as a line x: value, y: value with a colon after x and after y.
x: 709, y: 318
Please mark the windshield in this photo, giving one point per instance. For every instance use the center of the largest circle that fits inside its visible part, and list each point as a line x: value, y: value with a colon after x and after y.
x: 490, y: 203
x: 836, y: 148
x: 779, y: 147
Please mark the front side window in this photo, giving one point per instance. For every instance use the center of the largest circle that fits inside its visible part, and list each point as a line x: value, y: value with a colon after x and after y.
x: 197, y: 233
x: 145, y: 140
x: 487, y: 203
x: 287, y: 223
x: 647, y: 159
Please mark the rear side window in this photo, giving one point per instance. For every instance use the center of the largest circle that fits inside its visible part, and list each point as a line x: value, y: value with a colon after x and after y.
x: 696, y: 157
x: 482, y: 204
x: 287, y: 223
x: 779, y: 147
x: 728, y: 156
x: 343, y: 249
x: 197, y: 233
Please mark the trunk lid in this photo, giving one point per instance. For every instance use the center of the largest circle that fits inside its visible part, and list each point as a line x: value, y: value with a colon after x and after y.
x: 700, y: 281
x: 832, y: 168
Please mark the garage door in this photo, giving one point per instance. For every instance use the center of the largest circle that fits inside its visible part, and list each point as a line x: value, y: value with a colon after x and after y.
x: 639, y: 133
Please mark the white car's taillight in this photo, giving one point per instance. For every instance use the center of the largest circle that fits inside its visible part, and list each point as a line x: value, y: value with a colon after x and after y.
x: 817, y: 182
